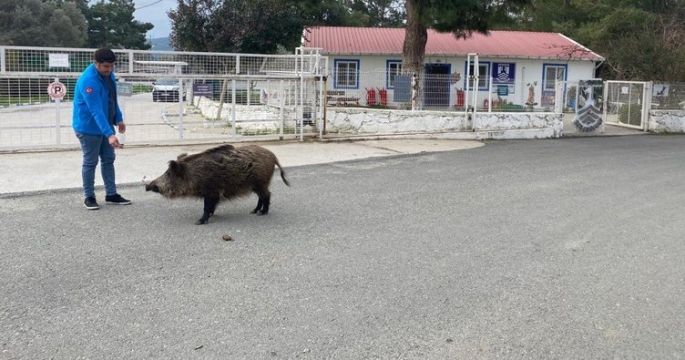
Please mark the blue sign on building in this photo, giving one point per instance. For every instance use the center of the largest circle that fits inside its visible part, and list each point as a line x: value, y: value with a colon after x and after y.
x: 503, y: 73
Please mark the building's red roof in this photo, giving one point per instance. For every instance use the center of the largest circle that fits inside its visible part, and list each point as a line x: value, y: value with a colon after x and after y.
x: 389, y: 41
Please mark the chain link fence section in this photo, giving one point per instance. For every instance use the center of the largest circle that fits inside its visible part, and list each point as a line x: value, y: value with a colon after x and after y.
x: 165, y: 96
x: 668, y: 96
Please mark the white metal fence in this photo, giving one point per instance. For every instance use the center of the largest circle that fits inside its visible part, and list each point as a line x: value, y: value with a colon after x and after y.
x: 177, y: 96
x: 165, y: 96
x: 377, y: 89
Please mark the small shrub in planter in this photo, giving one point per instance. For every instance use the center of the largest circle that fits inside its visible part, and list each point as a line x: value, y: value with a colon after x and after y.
x: 511, y: 107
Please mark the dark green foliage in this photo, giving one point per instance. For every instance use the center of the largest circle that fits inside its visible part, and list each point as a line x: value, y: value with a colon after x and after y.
x: 111, y: 24
x: 269, y: 26
x: 630, y: 114
x: 640, y: 39
x: 38, y: 23
x: 466, y: 16
x: 509, y: 107
x: 377, y: 13
x: 242, y: 26
x: 71, y: 23
x: 462, y: 18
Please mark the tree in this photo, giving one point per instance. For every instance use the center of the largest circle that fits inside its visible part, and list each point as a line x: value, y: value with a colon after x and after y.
x: 639, y: 45
x: 563, y: 16
x: 111, y: 23
x: 240, y: 26
x: 640, y: 39
x: 377, y: 13
x: 37, y: 23
x: 67, y: 25
x: 461, y: 18
x: 324, y: 12
x: 383, y: 13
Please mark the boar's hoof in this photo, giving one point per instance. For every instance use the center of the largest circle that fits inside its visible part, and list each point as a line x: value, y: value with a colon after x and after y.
x: 201, y: 221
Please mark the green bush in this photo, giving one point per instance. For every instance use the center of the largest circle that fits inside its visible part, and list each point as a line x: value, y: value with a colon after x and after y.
x: 630, y: 113
x: 511, y: 107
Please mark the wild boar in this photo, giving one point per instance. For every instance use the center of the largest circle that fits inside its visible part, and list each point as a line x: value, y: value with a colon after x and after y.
x: 221, y: 173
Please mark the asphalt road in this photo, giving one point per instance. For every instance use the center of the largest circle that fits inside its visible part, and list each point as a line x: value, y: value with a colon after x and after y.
x: 549, y: 249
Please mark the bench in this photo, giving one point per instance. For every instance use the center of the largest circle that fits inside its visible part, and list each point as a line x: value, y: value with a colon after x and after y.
x: 340, y: 98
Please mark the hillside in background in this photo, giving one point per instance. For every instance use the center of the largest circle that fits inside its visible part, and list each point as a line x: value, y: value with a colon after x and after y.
x: 161, y: 44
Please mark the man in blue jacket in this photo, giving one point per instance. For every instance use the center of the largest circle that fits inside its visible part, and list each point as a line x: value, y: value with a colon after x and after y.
x: 96, y: 113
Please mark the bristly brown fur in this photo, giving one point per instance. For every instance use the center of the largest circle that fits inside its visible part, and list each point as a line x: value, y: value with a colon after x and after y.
x: 221, y: 173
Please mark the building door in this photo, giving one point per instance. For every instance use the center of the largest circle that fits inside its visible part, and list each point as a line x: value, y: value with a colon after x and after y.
x: 436, y: 85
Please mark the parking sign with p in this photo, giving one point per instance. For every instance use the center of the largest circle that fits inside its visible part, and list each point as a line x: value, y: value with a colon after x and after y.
x: 57, y: 90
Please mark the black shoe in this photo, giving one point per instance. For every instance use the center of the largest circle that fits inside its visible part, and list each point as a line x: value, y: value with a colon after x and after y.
x: 116, y: 199
x: 91, y: 204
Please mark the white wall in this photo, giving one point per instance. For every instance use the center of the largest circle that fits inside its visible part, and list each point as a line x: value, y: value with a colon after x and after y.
x: 358, y: 121
x: 667, y: 121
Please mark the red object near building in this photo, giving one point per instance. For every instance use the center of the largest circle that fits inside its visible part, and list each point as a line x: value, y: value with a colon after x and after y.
x: 371, y: 97
x: 460, y: 98
x: 383, y: 95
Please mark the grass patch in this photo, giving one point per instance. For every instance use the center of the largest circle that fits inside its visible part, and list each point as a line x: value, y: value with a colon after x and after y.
x: 6, y: 100
x: 142, y: 88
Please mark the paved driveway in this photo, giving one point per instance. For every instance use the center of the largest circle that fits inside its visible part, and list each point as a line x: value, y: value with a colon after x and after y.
x: 519, y: 249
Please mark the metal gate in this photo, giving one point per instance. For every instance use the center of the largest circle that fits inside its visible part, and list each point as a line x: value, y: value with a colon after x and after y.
x: 165, y: 96
x: 627, y: 103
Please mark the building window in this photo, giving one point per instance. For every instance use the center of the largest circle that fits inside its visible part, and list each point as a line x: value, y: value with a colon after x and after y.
x: 393, y: 70
x: 346, y: 74
x: 483, y: 75
x: 551, y: 73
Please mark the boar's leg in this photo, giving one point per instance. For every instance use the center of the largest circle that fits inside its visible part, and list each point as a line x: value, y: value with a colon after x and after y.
x: 210, y: 206
x: 263, y: 202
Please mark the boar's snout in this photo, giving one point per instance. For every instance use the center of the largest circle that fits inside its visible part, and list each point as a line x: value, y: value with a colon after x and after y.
x: 152, y: 187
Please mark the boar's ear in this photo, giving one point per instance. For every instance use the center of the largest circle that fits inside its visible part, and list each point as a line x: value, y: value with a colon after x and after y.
x: 177, y: 168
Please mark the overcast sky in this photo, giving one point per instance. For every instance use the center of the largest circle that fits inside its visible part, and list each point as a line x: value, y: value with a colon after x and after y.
x: 155, y: 12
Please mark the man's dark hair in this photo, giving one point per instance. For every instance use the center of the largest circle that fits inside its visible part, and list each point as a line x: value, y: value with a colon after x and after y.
x: 105, y: 55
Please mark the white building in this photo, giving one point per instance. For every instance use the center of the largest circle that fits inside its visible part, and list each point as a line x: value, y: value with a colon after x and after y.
x: 509, y: 62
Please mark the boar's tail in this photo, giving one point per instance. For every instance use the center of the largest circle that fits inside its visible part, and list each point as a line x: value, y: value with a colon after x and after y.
x: 285, y: 180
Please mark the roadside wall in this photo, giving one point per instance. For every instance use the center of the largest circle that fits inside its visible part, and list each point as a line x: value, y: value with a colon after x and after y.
x: 671, y: 121
x: 362, y: 121
x: 369, y: 121
x: 374, y: 121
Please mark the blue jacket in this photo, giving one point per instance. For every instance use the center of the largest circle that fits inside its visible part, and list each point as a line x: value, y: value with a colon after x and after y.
x: 91, y: 104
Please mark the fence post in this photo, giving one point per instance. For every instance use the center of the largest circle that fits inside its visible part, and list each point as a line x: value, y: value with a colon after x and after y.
x: 490, y: 94
x: 233, y: 107
x: 300, y: 102
x: 180, y: 108
x: 647, y: 104
x: 58, y: 121
x: 122, y: 137
x: 130, y: 62
x: 3, y: 65
x: 281, y: 98
x: 559, y: 97
x: 322, y: 105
